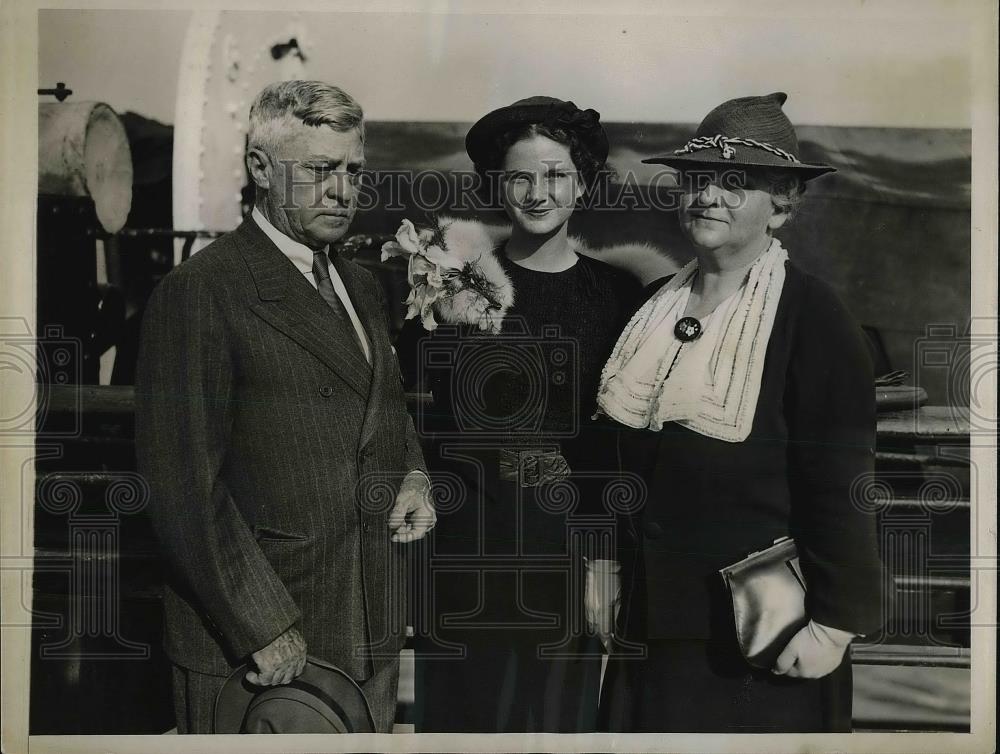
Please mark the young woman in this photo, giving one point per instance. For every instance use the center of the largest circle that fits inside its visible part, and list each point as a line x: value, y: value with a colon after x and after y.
x: 508, y: 646
x: 744, y: 394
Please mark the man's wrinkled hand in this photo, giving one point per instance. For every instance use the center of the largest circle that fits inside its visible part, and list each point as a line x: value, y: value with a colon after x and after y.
x: 602, y: 598
x: 279, y: 662
x: 815, y: 651
x: 413, y: 514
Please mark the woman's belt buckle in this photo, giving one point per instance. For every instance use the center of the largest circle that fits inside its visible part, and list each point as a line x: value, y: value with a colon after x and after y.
x: 533, y: 467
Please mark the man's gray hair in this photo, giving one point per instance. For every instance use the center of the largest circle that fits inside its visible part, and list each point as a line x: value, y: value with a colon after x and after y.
x: 310, y: 102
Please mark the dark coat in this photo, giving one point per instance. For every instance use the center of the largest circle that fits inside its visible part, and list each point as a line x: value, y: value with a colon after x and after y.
x: 273, y: 454
x: 711, y: 503
x: 527, y: 665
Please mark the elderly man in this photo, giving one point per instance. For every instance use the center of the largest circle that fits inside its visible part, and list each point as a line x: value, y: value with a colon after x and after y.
x: 283, y: 467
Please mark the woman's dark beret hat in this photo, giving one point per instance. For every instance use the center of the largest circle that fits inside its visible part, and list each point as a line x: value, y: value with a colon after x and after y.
x: 549, y: 111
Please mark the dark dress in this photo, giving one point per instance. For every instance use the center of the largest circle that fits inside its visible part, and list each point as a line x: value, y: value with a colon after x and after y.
x: 712, y: 502
x: 503, y: 645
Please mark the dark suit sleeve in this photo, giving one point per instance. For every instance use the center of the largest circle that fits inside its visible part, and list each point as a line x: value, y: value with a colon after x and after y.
x: 831, y: 423
x: 408, y: 343
x: 184, y: 400
x: 407, y: 350
x: 414, y: 455
x: 596, y: 449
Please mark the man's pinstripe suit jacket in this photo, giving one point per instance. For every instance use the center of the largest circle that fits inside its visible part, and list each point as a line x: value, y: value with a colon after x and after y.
x: 273, y: 454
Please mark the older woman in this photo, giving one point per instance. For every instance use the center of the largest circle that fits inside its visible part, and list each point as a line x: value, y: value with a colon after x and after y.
x: 745, y: 396
x: 508, y: 647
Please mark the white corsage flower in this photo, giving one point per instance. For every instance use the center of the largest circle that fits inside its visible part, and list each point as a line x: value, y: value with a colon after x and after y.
x: 460, y: 288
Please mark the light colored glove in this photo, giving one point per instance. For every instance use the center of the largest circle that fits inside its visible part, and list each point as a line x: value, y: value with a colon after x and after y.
x: 815, y: 651
x: 602, y: 598
x: 413, y: 515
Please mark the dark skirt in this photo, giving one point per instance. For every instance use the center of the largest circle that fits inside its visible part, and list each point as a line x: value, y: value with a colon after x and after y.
x: 703, y: 686
x: 700, y: 683
x: 503, y: 685
x: 505, y: 647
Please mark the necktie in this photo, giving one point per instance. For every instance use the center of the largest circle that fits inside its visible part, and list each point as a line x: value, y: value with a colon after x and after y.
x: 321, y: 271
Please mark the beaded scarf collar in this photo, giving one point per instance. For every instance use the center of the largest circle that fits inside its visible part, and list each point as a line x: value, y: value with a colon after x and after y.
x: 723, y: 405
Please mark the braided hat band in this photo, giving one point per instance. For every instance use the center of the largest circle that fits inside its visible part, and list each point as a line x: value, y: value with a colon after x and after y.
x: 725, y: 145
x: 751, y: 132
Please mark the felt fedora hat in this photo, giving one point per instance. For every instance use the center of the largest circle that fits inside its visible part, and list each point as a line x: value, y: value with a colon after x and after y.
x: 749, y: 132
x: 323, y: 699
x: 549, y: 111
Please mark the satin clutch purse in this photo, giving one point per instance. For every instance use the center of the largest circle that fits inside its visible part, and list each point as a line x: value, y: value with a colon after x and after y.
x: 769, y: 601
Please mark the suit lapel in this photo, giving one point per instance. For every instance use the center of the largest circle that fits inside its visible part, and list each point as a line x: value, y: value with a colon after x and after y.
x: 288, y: 303
x: 371, y: 316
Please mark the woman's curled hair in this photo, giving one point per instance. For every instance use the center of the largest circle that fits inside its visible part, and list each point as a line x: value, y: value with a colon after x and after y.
x: 786, y: 189
x: 593, y: 171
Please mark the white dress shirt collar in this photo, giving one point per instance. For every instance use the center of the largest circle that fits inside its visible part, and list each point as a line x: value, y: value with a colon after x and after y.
x: 300, y: 254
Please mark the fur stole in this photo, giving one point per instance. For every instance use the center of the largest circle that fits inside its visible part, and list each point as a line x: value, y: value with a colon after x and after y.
x: 472, y: 241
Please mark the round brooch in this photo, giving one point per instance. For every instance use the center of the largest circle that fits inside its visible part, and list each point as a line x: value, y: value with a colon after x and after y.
x: 687, y: 329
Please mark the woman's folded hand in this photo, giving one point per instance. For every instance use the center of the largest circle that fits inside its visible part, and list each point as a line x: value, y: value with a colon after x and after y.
x: 815, y: 651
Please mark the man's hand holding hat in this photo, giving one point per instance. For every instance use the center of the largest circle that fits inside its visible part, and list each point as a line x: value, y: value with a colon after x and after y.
x: 281, y: 661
